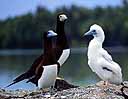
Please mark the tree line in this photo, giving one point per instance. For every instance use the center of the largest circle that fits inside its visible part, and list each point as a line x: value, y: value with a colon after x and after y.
x: 26, y: 31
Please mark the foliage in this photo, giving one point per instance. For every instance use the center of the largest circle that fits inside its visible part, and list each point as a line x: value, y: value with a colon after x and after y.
x: 26, y: 31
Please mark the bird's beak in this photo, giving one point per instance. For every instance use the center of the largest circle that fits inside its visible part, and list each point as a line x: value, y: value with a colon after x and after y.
x: 65, y: 17
x: 55, y: 34
x: 88, y: 33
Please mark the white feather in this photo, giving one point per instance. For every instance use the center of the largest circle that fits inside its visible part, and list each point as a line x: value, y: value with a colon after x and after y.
x: 99, y: 58
x: 48, y: 76
x: 65, y: 54
x: 106, y: 55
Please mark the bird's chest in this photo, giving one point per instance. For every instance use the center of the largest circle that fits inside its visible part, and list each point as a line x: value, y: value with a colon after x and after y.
x: 49, y: 57
x: 65, y: 54
x: 93, y: 51
x: 48, y: 76
x: 93, y: 55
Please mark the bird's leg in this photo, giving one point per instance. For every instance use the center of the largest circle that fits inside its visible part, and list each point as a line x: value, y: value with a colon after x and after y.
x: 105, y: 83
x: 52, y: 90
x: 43, y: 91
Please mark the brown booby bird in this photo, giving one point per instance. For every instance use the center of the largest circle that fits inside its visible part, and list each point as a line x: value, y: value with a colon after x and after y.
x: 62, y: 53
x: 46, y: 72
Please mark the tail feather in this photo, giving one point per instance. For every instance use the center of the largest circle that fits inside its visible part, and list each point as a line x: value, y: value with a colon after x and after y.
x: 10, y: 84
x: 20, y: 78
x: 33, y: 80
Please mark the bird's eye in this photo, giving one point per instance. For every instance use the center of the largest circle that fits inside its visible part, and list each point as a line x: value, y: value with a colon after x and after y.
x: 60, y: 16
x: 94, y: 31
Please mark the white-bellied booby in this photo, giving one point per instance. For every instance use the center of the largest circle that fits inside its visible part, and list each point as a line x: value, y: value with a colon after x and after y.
x: 98, y: 58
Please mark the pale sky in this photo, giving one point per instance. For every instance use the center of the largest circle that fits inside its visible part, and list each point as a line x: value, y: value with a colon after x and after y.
x: 18, y: 7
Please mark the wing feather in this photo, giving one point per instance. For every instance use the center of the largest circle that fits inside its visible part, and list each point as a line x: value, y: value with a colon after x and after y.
x: 106, y: 55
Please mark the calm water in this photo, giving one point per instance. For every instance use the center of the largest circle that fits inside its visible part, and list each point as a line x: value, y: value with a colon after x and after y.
x: 75, y: 70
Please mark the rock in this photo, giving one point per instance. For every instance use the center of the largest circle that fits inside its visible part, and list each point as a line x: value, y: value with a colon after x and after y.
x: 96, y: 91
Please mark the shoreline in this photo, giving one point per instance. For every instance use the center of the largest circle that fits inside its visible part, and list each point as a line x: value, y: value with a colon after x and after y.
x: 96, y: 91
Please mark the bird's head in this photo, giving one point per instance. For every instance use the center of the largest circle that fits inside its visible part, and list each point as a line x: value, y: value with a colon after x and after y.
x: 96, y: 31
x: 49, y: 40
x: 62, y: 17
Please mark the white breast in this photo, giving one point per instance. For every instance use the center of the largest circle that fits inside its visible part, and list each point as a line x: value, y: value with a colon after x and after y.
x: 48, y: 76
x: 65, y: 54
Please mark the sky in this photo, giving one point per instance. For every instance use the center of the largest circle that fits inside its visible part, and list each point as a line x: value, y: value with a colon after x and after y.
x: 19, y: 7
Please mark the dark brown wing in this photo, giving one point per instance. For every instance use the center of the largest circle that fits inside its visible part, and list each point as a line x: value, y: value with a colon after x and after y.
x: 31, y: 72
x: 35, y: 79
x: 37, y: 73
x: 32, y: 69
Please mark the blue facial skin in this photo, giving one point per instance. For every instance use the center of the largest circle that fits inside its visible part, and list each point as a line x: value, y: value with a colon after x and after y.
x: 50, y: 34
x: 93, y: 32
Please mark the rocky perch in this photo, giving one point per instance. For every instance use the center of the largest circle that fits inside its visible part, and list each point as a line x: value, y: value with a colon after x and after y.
x: 68, y: 91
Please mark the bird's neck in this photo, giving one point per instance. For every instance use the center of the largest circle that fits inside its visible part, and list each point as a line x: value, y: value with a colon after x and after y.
x: 47, y: 46
x: 61, y: 38
x: 99, y: 39
x: 94, y: 47
x: 60, y: 28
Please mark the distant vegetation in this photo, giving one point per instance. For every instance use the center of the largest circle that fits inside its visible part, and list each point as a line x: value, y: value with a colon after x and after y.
x: 26, y: 31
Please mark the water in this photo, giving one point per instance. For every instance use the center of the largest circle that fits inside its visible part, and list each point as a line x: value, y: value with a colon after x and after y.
x: 75, y: 70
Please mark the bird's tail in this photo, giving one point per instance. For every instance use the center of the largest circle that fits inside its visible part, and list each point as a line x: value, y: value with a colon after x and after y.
x: 20, y: 78
x: 10, y: 84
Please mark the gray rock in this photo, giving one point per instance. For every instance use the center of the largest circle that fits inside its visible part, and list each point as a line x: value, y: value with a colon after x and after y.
x: 97, y: 91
